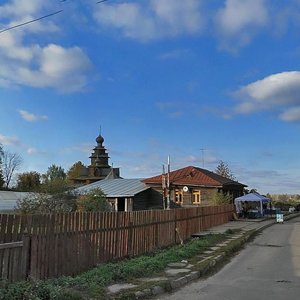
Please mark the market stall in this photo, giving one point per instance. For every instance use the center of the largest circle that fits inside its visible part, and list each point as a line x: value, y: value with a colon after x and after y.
x: 251, y: 205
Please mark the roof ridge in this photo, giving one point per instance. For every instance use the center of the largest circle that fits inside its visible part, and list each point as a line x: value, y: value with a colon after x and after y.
x: 202, y: 176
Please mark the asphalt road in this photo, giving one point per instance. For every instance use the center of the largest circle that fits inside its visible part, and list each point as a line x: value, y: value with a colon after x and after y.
x: 268, y: 268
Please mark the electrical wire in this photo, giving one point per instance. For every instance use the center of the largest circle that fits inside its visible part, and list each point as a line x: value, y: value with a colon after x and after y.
x: 31, y: 21
x: 38, y: 19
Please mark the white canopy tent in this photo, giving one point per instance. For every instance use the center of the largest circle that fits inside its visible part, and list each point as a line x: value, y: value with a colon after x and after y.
x: 252, y: 197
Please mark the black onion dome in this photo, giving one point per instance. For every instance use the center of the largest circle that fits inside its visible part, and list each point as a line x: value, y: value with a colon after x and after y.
x: 100, y: 139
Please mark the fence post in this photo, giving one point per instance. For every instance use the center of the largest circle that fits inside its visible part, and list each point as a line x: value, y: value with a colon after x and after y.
x: 26, y: 249
x: 157, y: 243
x: 129, y: 243
x: 175, y: 226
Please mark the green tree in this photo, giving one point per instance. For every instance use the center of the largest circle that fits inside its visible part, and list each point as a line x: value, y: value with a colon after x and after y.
x: 219, y: 198
x: 41, y: 203
x: 54, y: 181
x: 95, y: 200
x: 54, y: 187
x: 54, y: 173
x: 75, y: 170
x: 53, y: 197
x: 29, y: 181
x: 224, y: 170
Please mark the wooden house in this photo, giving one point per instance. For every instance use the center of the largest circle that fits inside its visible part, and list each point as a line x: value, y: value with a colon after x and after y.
x: 191, y: 186
x: 126, y: 194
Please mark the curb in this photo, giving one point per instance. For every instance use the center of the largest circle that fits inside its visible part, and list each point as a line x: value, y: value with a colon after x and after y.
x: 206, y: 265
x: 217, y: 258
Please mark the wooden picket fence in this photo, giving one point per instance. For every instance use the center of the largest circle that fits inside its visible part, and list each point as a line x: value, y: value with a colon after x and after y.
x: 44, y: 246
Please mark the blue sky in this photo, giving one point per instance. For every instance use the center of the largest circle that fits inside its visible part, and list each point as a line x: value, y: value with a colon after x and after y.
x: 161, y: 77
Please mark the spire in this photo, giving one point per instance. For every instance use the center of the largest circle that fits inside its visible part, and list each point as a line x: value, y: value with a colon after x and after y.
x: 99, y: 138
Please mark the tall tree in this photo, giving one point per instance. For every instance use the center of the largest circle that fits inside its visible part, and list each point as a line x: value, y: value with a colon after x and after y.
x: 75, y: 170
x: 11, y: 163
x: 1, y: 172
x: 54, y: 181
x: 223, y: 170
x: 29, y: 181
x: 54, y: 173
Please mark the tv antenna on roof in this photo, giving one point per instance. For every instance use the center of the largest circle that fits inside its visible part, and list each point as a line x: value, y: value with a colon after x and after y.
x: 202, y: 150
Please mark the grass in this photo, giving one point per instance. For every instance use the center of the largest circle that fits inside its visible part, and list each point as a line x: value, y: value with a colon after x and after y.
x: 93, y: 282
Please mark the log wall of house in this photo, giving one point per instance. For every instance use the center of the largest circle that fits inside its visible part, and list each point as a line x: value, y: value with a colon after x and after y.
x: 234, y: 190
x: 149, y: 199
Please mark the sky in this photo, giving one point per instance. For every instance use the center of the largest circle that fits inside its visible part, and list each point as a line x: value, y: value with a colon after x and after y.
x: 199, y: 80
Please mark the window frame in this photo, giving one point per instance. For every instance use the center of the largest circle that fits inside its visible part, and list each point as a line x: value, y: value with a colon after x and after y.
x: 178, y: 196
x: 196, y: 197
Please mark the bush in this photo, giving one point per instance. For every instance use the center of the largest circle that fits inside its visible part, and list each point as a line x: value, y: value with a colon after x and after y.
x: 95, y: 200
x: 283, y: 206
x: 39, y: 203
x: 53, y: 197
x: 26, y: 290
x: 219, y: 198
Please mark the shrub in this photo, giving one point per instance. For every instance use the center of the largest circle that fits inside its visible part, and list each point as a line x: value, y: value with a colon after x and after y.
x: 40, y: 203
x: 283, y: 206
x: 94, y: 200
x: 41, y: 290
x: 219, y: 198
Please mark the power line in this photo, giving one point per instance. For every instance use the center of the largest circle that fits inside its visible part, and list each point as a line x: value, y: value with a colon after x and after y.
x: 31, y: 21
x: 38, y: 19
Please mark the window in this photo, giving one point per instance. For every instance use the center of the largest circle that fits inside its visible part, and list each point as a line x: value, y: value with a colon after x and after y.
x: 196, y: 197
x: 178, y: 196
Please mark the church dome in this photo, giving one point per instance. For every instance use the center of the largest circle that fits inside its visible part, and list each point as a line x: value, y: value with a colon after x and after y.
x: 99, y: 139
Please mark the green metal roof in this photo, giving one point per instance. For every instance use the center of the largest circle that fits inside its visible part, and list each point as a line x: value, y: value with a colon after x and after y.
x: 116, y: 188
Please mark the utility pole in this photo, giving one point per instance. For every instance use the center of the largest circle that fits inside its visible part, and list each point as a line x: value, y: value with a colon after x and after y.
x: 168, y: 184
x: 164, y: 186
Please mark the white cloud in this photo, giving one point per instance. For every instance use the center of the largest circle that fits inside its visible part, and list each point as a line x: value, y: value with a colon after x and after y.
x: 33, y: 151
x: 32, y: 64
x: 19, y: 8
x: 279, y: 88
x: 9, y: 140
x: 30, y: 117
x: 59, y: 67
x: 275, y: 92
x: 238, y: 21
x: 161, y: 18
x: 291, y: 115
